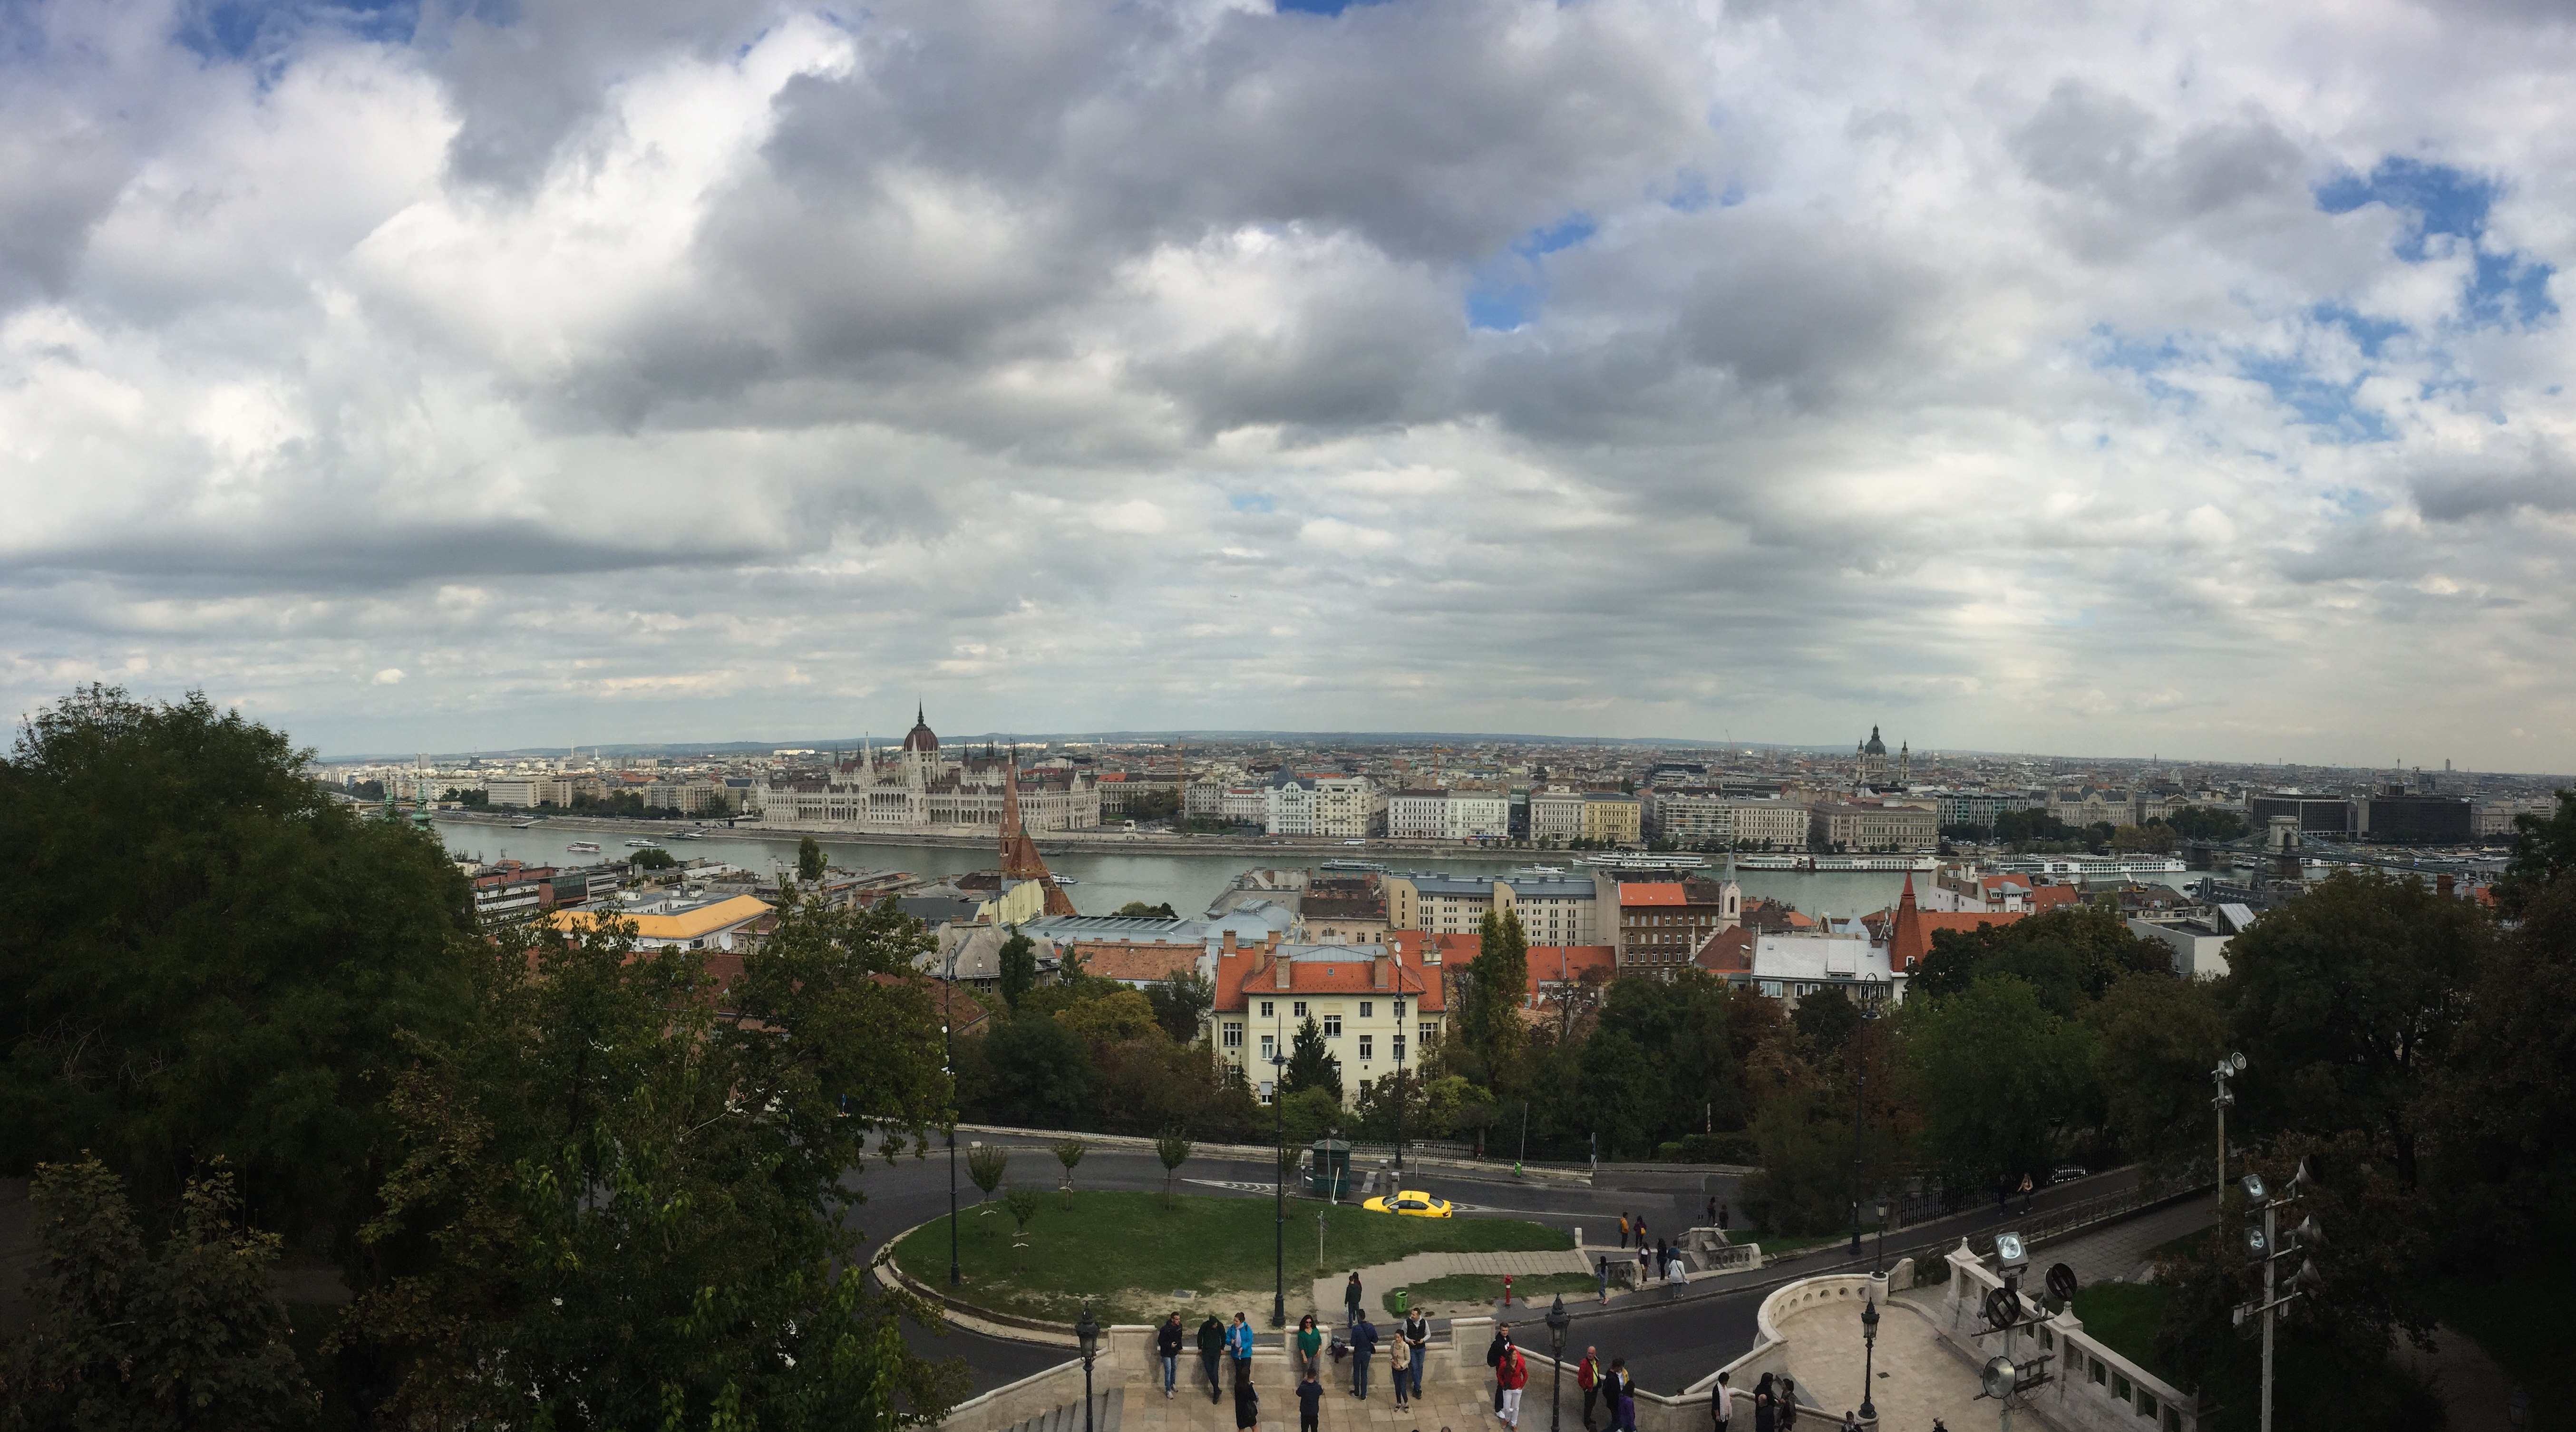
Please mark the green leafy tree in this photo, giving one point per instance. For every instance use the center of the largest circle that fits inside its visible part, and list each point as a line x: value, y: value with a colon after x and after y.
x: 1687, y: 1029
x: 810, y: 864
x: 985, y: 1166
x: 1804, y: 1143
x: 1173, y: 1147
x: 1497, y: 980
x: 2070, y: 956
x: 2155, y: 1039
x: 2206, y: 823
x: 2000, y: 1076
x: 653, y: 859
x: 1181, y: 1001
x: 1617, y: 1093
x: 1826, y: 1024
x: 2345, y: 999
x: 2544, y: 848
x: 1019, y: 959
x: 1069, y: 1152
x: 622, y: 1200
x: 1032, y: 1072
x: 1138, y: 909
x: 2506, y: 1097
x: 1310, y: 1065
x: 127, y: 1339
x: 1023, y: 1203
x: 204, y: 956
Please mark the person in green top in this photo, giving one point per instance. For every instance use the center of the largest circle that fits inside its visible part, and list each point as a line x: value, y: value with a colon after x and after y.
x: 1310, y: 1347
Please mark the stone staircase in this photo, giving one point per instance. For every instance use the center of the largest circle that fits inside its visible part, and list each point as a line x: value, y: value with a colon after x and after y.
x: 1105, y: 1407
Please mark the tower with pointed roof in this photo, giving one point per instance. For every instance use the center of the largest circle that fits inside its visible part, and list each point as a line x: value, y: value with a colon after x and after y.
x: 1020, y: 858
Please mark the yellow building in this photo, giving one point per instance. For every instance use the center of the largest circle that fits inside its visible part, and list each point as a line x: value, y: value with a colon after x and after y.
x: 1612, y: 819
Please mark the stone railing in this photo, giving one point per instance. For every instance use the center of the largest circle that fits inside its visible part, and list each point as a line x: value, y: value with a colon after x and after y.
x: 2090, y: 1386
x: 1719, y: 1256
x: 1033, y: 1396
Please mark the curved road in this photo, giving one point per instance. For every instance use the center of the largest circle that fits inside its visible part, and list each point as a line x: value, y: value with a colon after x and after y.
x: 1668, y: 1345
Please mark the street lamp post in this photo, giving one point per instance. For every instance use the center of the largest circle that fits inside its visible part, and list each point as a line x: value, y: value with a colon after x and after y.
x: 1878, y: 1256
x: 948, y: 1041
x: 1869, y: 1359
x: 2229, y: 1066
x: 1088, y: 1333
x: 1557, y: 1322
x: 1279, y: 1188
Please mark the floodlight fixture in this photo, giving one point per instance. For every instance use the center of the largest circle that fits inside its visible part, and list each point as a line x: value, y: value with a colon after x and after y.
x: 2257, y: 1192
x: 2257, y: 1247
x: 1999, y: 1377
x: 2009, y: 1250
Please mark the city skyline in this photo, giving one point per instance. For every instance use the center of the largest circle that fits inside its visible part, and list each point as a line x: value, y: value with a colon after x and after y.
x: 2189, y: 380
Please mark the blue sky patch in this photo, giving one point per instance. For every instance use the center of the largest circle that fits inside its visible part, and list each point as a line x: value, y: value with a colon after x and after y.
x: 2506, y: 288
x: 1252, y: 502
x: 2317, y: 401
x: 249, y: 30
x: 1507, y: 294
x: 1317, y: 7
x: 2368, y: 332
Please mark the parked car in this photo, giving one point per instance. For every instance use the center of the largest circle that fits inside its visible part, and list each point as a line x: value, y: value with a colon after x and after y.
x: 2066, y: 1173
x: 1412, y: 1201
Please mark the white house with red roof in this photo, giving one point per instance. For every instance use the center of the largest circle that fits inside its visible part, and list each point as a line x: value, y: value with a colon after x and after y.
x: 1379, y: 1007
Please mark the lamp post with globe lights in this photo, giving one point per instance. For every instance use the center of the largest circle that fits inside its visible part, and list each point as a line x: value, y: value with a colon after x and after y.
x: 1557, y: 1322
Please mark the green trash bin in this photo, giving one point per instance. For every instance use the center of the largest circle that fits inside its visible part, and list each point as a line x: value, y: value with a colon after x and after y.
x: 1401, y: 1300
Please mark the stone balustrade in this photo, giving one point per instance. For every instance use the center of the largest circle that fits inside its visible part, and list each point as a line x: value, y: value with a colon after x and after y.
x: 2091, y: 1387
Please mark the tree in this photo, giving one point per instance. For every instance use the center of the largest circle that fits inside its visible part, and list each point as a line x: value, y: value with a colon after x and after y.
x: 810, y: 864
x: 2155, y: 1039
x: 985, y: 1165
x: 1033, y: 1072
x: 2544, y: 847
x: 1138, y: 909
x: 2070, y: 956
x: 2000, y: 1077
x: 1024, y: 1203
x: 623, y: 1200
x: 1825, y: 1024
x: 1115, y: 1016
x: 1616, y: 1096
x: 1069, y: 1152
x: 655, y: 858
x: 1490, y: 1026
x: 205, y: 955
x: 2344, y: 999
x: 1173, y: 1147
x: 1805, y: 1183
x: 1181, y: 1001
x: 1309, y: 1065
x: 1019, y: 957
x: 471, y: 800
x: 190, y: 1338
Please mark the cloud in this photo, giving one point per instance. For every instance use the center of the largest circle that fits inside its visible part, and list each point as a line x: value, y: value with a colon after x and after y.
x: 717, y: 367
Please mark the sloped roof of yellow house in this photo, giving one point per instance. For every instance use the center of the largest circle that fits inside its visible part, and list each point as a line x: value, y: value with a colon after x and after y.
x: 687, y: 925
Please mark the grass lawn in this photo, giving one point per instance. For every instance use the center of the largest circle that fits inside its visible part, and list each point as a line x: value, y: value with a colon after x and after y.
x: 2124, y: 1317
x: 1128, y: 1253
x: 1487, y: 1288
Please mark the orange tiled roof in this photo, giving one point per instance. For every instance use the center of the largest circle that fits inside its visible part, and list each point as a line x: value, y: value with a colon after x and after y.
x: 1911, y: 940
x: 1726, y: 952
x: 1653, y: 893
x: 1252, y: 973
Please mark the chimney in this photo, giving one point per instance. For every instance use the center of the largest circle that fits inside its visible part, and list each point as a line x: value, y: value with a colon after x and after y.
x: 1228, y: 946
x: 1287, y: 973
x: 1381, y: 973
x: 2443, y: 885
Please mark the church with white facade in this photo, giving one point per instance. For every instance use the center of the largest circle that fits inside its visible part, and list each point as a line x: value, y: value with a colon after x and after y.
x: 919, y: 789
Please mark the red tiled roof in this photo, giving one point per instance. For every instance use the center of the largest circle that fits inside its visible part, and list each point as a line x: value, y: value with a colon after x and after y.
x: 1252, y: 973
x: 1653, y: 893
x: 1912, y: 938
x: 1136, y: 959
x: 1727, y: 952
x: 2044, y: 898
x: 1567, y: 964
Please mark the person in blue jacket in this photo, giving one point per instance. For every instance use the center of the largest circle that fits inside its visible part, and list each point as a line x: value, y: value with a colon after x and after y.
x: 1238, y: 1343
x: 1363, y: 1346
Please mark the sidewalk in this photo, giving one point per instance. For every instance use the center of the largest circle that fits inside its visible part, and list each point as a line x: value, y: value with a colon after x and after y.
x: 2117, y: 1253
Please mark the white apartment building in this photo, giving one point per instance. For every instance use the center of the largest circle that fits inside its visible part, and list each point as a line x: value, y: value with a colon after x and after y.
x: 1448, y: 815
x: 1555, y: 812
x: 1288, y: 807
x: 1244, y: 804
x: 1348, y: 807
x: 1554, y: 910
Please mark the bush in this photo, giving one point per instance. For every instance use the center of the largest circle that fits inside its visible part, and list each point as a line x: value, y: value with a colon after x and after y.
x: 1730, y: 1148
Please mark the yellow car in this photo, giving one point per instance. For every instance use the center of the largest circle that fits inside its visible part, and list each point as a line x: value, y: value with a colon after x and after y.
x: 1412, y: 1201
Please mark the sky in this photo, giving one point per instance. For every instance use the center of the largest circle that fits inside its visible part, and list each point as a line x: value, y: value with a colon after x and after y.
x: 2179, y: 378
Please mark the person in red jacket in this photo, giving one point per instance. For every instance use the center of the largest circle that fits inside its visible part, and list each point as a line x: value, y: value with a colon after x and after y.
x: 1511, y: 1372
x: 1587, y: 1375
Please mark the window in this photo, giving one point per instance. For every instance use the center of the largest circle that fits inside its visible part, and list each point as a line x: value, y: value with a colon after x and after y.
x: 1269, y: 1049
x: 1365, y: 1007
x: 1399, y: 1011
x: 1398, y: 1048
x: 1332, y: 1026
x: 1234, y: 1036
x: 1429, y: 1031
x: 1297, y: 1010
x: 1366, y: 1045
x: 1265, y: 1091
x: 1269, y: 1009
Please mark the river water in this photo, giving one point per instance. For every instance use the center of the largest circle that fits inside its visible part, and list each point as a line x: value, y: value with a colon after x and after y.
x: 1108, y: 879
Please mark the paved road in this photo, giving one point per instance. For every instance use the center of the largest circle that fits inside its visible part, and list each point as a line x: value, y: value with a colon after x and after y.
x: 1668, y: 1346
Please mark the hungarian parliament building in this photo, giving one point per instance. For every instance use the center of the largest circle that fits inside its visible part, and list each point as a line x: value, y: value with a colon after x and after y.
x: 919, y: 789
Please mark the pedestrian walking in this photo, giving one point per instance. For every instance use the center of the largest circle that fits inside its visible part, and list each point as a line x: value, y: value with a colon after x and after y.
x: 1645, y: 1265
x: 1351, y: 1301
x: 1238, y: 1341
x: 1363, y: 1347
x: 1766, y: 1406
x: 1721, y: 1405
x: 1310, y: 1345
x: 1851, y: 1421
x: 2027, y: 1185
x: 1641, y: 1230
x: 1511, y: 1373
x: 1417, y: 1342
x: 1167, y: 1342
x: 1494, y: 1360
x: 1721, y: 1218
x: 1623, y: 1230
x: 1605, y: 1279
x: 1247, y: 1403
x: 1587, y: 1375
x: 1674, y: 1273
x: 1399, y: 1363
x: 1623, y: 1396
x: 1712, y: 1210
x: 1212, y: 1347
x: 1310, y: 1402
x: 1788, y: 1403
